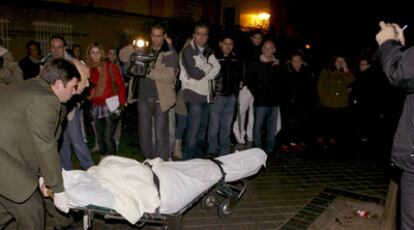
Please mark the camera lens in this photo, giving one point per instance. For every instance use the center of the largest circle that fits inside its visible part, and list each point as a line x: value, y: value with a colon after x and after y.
x: 137, y: 69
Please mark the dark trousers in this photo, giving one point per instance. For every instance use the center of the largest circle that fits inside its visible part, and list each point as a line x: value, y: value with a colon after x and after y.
x: 407, y: 201
x: 181, y: 122
x: 219, y: 126
x: 295, y: 124
x: 5, y: 218
x: 334, y: 123
x: 29, y: 214
x: 60, y: 219
x: 265, y: 117
x: 197, y: 121
x: 150, y: 117
x: 105, y: 130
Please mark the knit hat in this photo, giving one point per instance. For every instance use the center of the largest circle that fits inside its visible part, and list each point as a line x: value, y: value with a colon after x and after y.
x: 3, y: 51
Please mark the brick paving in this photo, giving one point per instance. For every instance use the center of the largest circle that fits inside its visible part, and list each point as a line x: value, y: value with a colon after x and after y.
x: 289, y: 194
x: 304, y: 217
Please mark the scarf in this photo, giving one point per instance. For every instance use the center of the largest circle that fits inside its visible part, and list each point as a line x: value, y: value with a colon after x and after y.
x: 100, y: 87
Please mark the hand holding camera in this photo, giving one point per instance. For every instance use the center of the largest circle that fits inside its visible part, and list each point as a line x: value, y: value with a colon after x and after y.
x: 140, y: 63
x: 390, y: 32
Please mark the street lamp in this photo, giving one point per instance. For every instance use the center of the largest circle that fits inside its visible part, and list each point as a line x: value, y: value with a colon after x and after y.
x: 262, y: 20
x: 263, y: 16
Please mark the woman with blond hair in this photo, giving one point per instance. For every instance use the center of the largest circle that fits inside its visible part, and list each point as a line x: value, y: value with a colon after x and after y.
x: 107, y: 85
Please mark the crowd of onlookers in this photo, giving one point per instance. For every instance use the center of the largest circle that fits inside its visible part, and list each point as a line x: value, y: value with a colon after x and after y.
x: 198, y: 101
x: 189, y: 104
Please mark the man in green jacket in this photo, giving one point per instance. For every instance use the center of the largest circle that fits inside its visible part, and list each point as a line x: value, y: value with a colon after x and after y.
x: 30, y: 115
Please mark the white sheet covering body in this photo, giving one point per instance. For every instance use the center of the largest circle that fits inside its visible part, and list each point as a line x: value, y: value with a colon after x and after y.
x: 82, y: 188
x: 131, y: 182
x: 182, y: 181
x: 243, y: 164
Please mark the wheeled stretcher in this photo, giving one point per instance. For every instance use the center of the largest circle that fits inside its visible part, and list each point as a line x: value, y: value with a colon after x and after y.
x: 216, y: 182
x: 222, y: 196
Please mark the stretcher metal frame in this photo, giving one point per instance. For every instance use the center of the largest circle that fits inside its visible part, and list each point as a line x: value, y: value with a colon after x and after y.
x: 222, y: 195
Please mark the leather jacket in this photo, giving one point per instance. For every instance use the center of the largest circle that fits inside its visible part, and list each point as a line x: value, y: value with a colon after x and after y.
x: 228, y: 81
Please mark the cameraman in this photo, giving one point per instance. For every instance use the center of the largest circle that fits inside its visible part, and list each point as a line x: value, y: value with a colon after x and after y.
x: 156, y: 95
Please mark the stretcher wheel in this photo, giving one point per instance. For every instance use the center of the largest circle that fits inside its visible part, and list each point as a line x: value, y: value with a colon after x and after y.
x: 208, y: 202
x: 224, y: 208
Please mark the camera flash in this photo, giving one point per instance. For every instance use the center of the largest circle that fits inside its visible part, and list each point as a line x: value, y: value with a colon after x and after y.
x: 140, y: 43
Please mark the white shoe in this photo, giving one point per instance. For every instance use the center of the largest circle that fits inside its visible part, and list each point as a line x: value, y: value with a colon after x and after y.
x: 241, y: 141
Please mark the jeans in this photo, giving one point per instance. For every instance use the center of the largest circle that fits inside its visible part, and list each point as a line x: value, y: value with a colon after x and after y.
x: 181, y: 121
x: 150, y: 117
x: 265, y: 116
x: 197, y: 121
x: 73, y: 136
x: 171, y: 129
x: 105, y: 129
x: 219, y: 128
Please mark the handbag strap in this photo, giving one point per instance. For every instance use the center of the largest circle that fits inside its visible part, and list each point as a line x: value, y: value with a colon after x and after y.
x: 114, y: 87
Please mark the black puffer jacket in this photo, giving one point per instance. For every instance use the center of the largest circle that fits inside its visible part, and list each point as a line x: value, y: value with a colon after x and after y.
x: 228, y: 80
x: 298, y: 89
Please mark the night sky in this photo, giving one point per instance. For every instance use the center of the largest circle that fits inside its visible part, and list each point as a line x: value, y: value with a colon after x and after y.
x: 346, y: 27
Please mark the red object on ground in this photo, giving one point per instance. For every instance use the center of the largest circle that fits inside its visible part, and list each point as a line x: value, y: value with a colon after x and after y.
x: 363, y: 214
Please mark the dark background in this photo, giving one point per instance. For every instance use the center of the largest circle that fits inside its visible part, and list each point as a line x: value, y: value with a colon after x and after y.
x: 345, y: 27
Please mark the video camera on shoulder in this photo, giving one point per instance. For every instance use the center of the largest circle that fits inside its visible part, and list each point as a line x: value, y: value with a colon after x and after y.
x: 140, y: 59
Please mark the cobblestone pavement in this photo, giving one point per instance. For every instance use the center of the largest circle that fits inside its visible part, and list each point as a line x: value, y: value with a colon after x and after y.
x: 287, y: 185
